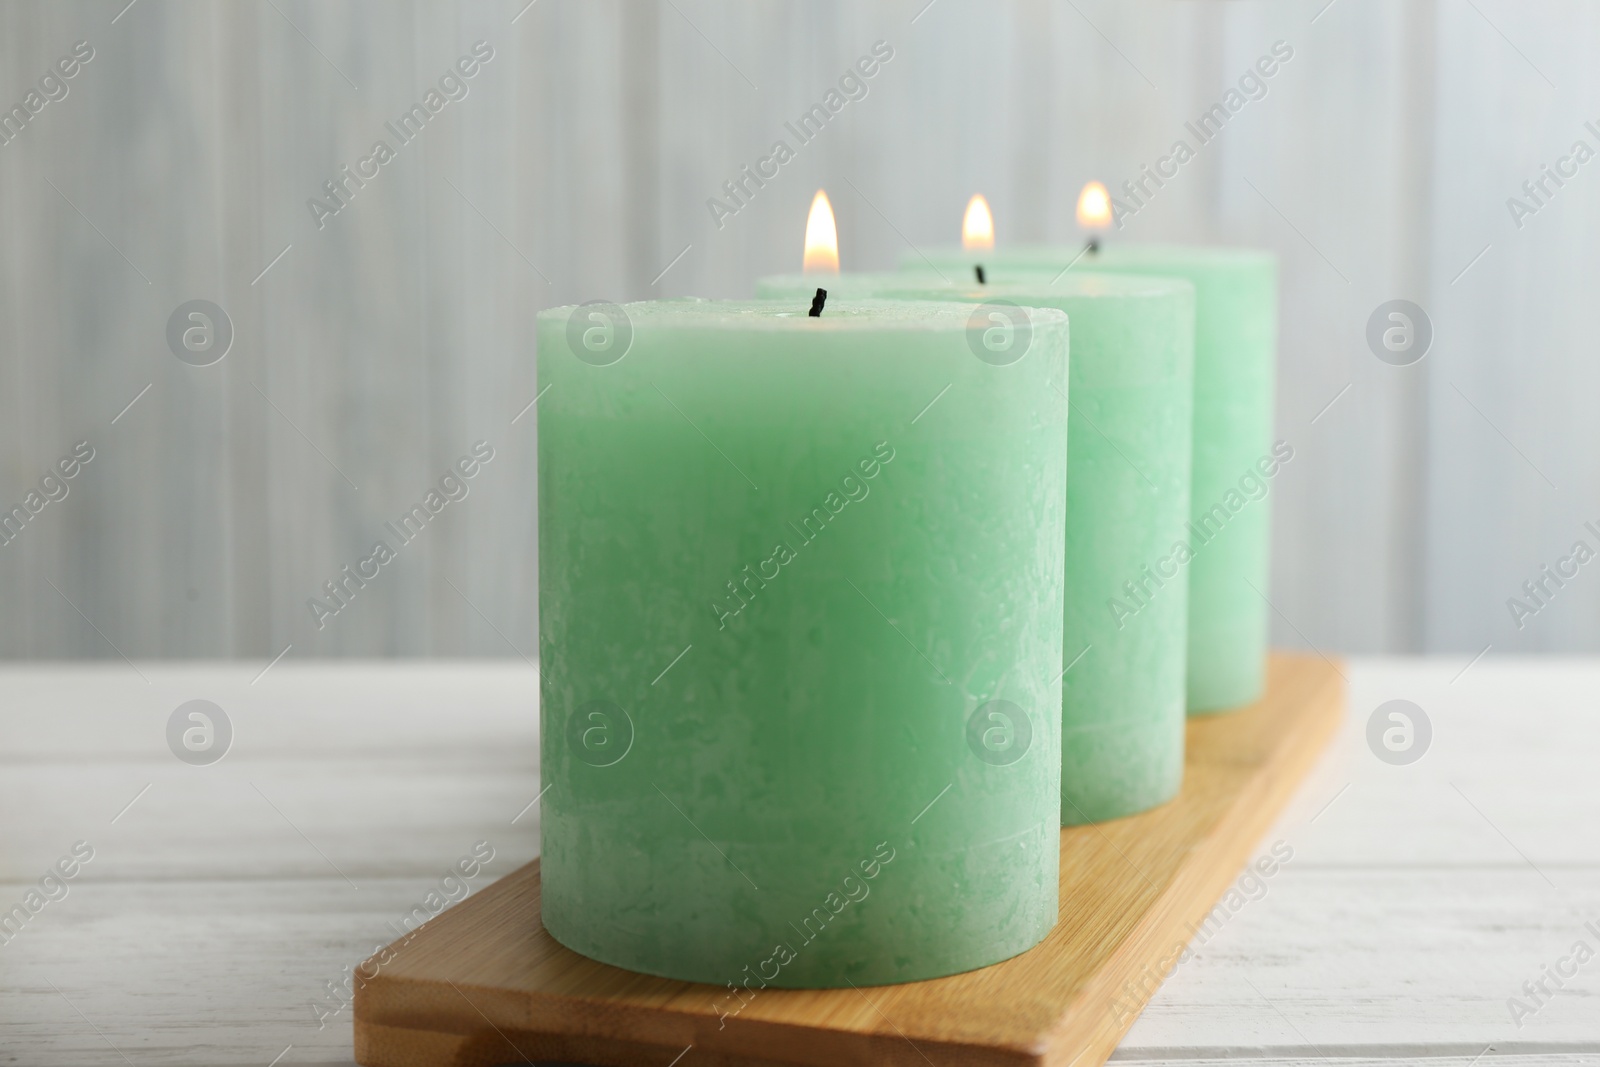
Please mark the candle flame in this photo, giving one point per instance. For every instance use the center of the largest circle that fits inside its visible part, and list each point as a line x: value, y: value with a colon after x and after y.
x: 977, y: 226
x: 1094, y: 207
x: 822, y: 238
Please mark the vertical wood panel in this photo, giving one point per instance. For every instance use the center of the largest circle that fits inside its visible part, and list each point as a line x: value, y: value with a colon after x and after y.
x: 1516, y: 333
x: 402, y: 331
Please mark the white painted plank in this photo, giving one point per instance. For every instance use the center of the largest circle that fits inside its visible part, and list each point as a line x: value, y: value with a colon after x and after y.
x: 362, y: 770
x: 1365, y: 964
x: 1398, y: 931
x: 199, y: 972
x: 1385, y: 963
x: 68, y: 711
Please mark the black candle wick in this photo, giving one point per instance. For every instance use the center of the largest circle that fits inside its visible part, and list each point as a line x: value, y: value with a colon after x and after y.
x: 817, y: 302
x: 978, y: 267
x: 1094, y: 243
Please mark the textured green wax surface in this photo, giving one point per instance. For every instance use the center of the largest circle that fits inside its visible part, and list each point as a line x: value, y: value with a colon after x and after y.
x: 1236, y: 309
x: 1127, y: 502
x: 794, y: 557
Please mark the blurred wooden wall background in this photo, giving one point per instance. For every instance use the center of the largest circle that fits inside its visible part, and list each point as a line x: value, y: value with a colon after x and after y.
x: 378, y: 348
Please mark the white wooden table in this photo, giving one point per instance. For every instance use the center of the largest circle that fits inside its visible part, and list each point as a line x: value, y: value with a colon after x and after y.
x: 223, y: 900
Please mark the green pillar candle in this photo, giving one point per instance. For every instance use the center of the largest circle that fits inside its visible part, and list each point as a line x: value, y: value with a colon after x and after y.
x: 800, y: 634
x: 1234, y: 456
x: 1126, y: 603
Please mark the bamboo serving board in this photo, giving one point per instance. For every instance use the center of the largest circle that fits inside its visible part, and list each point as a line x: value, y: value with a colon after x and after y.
x: 484, y: 984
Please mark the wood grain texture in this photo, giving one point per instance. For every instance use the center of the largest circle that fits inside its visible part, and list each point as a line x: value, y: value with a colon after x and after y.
x: 1377, y: 166
x: 207, y: 929
x: 485, y: 981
